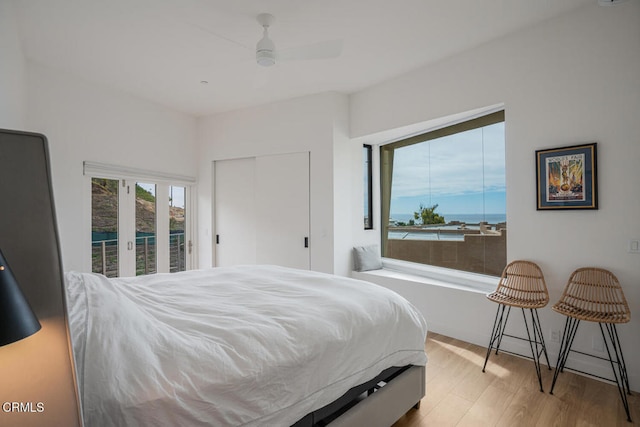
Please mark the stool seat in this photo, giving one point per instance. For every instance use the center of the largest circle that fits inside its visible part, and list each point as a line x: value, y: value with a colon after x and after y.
x: 533, y: 301
x: 521, y: 285
x: 590, y: 315
x: 595, y: 295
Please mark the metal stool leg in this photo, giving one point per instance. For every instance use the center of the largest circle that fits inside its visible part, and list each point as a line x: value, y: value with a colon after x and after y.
x: 504, y: 325
x: 541, y: 337
x: 621, y: 358
x: 496, y: 332
x: 532, y: 344
x: 568, y: 334
x: 620, y: 374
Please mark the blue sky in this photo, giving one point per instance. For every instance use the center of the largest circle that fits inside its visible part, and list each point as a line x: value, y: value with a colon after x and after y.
x: 462, y: 173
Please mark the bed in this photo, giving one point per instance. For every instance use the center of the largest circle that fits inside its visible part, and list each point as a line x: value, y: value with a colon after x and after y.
x: 243, y: 346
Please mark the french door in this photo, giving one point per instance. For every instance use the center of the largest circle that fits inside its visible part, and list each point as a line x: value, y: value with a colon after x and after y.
x: 139, y: 227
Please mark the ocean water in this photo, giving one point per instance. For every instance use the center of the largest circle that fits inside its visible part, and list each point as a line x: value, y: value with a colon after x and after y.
x: 466, y: 218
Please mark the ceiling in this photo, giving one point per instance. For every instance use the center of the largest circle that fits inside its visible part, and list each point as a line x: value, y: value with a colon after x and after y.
x: 163, y: 50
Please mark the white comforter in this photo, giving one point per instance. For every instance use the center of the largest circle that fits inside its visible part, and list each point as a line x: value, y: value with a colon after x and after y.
x: 240, y: 346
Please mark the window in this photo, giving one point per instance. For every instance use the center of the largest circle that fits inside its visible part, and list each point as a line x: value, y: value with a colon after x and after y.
x: 177, y: 219
x: 368, y: 190
x: 146, y: 236
x: 140, y: 221
x: 104, y: 226
x: 443, y: 197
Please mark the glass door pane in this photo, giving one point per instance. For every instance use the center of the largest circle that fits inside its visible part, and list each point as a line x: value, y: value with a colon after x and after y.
x: 104, y: 226
x: 145, y: 229
x: 177, y: 254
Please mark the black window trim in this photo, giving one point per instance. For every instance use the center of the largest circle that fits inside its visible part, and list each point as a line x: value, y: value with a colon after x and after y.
x: 368, y: 225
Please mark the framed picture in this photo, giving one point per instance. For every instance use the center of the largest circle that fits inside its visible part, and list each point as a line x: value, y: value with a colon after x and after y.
x: 566, y: 177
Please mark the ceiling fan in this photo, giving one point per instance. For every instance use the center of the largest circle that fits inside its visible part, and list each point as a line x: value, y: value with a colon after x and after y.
x: 267, y: 55
x: 265, y: 49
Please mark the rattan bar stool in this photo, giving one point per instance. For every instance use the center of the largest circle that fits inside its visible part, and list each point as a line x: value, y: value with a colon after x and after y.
x: 595, y: 295
x: 522, y: 286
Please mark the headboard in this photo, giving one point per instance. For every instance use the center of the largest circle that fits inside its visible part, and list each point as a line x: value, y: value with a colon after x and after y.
x: 28, y: 230
x: 29, y: 242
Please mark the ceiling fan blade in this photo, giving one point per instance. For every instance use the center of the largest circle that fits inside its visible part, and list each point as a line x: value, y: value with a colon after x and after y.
x: 321, y: 50
x: 220, y: 36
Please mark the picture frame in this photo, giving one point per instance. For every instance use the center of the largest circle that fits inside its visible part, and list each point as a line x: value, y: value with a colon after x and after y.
x: 566, y: 177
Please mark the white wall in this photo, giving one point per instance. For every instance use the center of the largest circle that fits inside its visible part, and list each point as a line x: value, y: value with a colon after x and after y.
x: 84, y: 121
x: 344, y: 153
x: 301, y: 124
x: 12, y: 66
x: 570, y: 80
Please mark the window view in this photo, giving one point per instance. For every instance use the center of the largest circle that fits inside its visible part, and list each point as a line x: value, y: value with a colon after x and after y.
x: 177, y: 254
x: 444, y: 197
x: 145, y: 228
x: 104, y: 226
x: 138, y: 226
x: 368, y: 205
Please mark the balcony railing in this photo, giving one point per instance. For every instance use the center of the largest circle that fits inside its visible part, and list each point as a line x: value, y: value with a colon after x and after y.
x: 104, y: 255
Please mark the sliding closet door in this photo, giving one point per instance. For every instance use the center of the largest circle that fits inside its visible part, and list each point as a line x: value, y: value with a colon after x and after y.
x: 235, y: 212
x: 283, y: 225
x: 262, y: 211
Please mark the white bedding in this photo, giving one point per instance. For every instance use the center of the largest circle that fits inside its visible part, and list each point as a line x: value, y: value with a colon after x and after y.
x: 239, y: 346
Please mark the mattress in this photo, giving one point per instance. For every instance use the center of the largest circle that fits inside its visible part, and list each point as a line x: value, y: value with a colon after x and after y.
x: 238, y: 346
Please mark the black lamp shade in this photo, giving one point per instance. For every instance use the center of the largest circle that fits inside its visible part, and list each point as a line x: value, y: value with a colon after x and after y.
x: 17, y: 320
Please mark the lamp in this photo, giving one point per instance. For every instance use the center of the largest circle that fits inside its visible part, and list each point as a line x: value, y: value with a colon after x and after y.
x: 17, y: 320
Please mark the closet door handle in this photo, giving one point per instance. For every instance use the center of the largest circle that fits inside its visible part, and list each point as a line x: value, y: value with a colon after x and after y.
x: 306, y: 242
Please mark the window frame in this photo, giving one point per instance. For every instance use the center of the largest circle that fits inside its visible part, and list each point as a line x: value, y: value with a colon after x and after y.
x: 386, y: 154
x: 368, y: 225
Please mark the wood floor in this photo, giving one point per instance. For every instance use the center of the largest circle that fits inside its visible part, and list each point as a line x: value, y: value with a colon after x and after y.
x: 508, y: 394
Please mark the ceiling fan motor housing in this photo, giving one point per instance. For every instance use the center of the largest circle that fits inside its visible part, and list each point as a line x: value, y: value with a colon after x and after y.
x: 265, y: 52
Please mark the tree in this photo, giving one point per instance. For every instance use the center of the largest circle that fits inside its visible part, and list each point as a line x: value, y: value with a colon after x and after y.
x: 428, y: 216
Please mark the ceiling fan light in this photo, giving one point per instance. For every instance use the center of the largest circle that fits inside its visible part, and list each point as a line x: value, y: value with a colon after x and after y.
x: 265, y: 52
x: 266, y: 58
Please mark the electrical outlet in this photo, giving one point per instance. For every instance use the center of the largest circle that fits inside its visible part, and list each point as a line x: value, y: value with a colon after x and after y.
x: 555, y: 335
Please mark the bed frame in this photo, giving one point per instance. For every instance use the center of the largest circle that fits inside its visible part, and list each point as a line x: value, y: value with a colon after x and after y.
x: 378, y: 402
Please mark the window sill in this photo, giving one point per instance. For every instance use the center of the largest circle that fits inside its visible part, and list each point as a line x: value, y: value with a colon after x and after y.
x: 434, y: 276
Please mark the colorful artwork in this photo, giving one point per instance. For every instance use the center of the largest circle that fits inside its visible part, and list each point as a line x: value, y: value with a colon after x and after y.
x: 566, y: 177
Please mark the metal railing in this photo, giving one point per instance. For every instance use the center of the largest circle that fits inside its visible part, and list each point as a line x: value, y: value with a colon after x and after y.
x: 145, y: 255
x: 104, y: 255
x: 177, y: 254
